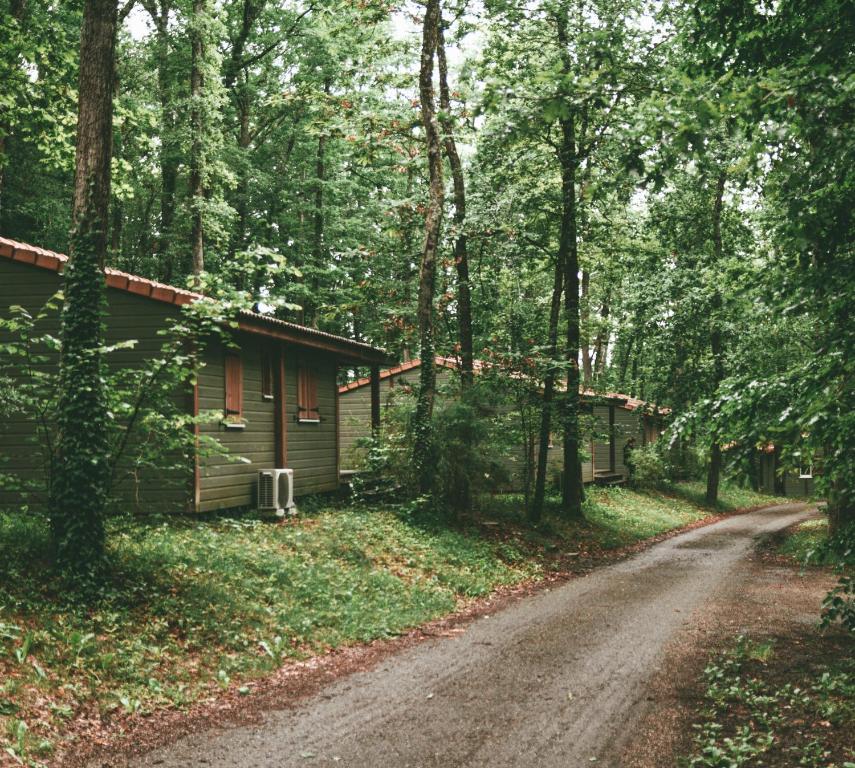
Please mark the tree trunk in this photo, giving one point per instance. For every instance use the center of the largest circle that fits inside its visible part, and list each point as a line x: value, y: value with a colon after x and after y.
x: 318, y: 225
x: 587, y: 368
x: 568, y: 255
x: 714, y: 471
x: 79, y: 489
x: 601, y: 347
x: 197, y: 191
x: 536, y: 508
x: 461, y: 256
x: 423, y: 438
x: 840, y: 509
x: 17, y: 9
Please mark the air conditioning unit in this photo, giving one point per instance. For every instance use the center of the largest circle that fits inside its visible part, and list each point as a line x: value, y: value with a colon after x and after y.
x: 276, y: 492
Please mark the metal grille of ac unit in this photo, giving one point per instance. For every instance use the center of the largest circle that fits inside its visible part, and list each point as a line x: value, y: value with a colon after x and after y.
x: 265, y: 490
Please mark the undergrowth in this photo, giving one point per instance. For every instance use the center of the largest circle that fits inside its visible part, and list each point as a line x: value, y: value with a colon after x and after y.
x: 193, y: 606
x: 753, y: 718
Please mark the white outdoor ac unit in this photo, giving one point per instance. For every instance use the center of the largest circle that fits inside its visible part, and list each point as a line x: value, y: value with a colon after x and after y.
x: 276, y: 491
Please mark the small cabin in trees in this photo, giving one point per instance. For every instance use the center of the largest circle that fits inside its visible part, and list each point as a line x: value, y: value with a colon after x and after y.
x: 273, y: 391
x: 782, y: 481
x: 612, y: 420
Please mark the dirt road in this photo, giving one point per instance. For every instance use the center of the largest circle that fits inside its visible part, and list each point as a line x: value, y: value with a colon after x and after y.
x: 558, y: 679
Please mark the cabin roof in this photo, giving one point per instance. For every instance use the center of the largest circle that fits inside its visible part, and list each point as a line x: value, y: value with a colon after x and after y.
x: 251, y: 322
x: 625, y: 401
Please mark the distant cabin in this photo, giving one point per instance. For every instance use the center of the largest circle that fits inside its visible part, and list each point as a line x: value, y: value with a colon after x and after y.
x: 274, y: 394
x: 775, y: 478
x: 615, y: 419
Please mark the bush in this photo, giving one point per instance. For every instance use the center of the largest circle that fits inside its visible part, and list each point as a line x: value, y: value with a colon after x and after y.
x: 649, y: 469
x: 466, y: 449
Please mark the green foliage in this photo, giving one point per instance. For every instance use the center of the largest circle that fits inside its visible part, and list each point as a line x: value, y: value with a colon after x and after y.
x: 148, y: 431
x: 649, y: 468
x: 779, y: 722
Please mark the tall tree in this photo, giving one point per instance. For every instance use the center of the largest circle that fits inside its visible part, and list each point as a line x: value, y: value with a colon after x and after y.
x: 79, y: 488
x: 423, y: 442
x: 568, y: 257
x: 461, y: 254
x: 197, y: 132
x: 714, y: 469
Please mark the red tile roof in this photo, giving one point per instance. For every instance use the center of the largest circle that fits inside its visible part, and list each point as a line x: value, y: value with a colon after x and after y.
x: 626, y: 401
x: 251, y: 322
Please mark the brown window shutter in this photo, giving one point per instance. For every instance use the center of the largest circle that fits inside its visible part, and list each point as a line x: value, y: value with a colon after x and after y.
x: 307, y: 394
x: 233, y: 383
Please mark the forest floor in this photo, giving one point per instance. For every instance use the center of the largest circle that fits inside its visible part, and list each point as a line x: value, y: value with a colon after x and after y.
x: 560, y: 678
x: 755, y: 681
x: 201, y: 614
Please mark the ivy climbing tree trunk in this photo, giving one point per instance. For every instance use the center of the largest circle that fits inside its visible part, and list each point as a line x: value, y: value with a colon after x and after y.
x: 536, y: 509
x: 714, y: 470
x: 568, y: 255
x: 461, y: 255
x: 78, y: 492
x: 422, y: 437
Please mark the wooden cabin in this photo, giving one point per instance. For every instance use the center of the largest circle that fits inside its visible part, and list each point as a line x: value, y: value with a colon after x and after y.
x: 782, y: 481
x: 274, y: 393
x: 615, y: 419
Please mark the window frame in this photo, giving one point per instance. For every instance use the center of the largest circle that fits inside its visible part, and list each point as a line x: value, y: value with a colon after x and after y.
x: 268, y: 377
x: 308, y: 409
x: 233, y: 379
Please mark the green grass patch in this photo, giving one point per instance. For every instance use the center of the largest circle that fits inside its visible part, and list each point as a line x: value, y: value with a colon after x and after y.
x: 195, y: 605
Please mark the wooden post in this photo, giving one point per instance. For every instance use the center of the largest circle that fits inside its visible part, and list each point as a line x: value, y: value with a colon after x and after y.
x: 612, y: 438
x: 375, y: 400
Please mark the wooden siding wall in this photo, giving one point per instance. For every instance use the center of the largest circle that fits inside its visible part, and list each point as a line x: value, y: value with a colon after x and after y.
x: 355, y: 423
x: 600, y: 441
x: 627, y: 425
x: 230, y: 481
x: 129, y: 317
x: 312, y: 448
x: 793, y: 484
x: 355, y: 410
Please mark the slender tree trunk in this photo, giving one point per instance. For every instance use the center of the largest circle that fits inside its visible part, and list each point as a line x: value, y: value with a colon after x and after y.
x: 80, y: 488
x: 571, y: 497
x: 587, y: 368
x: 601, y: 347
x: 423, y: 442
x: 461, y: 256
x: 318, y: 223
x: 17, y: 9
x: 714, y: 471
x: 197, y: 191
x: 536, y: 508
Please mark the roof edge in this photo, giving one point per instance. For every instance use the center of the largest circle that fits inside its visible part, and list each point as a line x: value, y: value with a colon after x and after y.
x: 251, y: 322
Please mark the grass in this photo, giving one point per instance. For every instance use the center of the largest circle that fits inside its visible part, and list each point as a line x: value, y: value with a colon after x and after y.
x: 766, y: 706
x: 194, y: 606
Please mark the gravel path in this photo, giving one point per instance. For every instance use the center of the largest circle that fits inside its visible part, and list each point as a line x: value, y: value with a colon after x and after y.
x: 558, y: 679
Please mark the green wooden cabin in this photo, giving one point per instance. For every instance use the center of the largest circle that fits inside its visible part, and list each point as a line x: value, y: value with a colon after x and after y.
x: 615, y: 419
x: 274, y: 394
x: 775, y: 478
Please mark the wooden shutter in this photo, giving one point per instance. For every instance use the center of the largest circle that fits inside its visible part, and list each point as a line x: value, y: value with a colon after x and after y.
x: 307, y: 394
x: 233, y: 384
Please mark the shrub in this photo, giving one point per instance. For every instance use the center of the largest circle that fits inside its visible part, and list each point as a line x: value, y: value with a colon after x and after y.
x: 649, y: 469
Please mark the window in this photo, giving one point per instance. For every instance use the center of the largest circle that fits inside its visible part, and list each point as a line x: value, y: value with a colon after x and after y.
x: 267, y: 358
x: 233, y: 385
x: 806, y: 472
x: 307, y: 395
